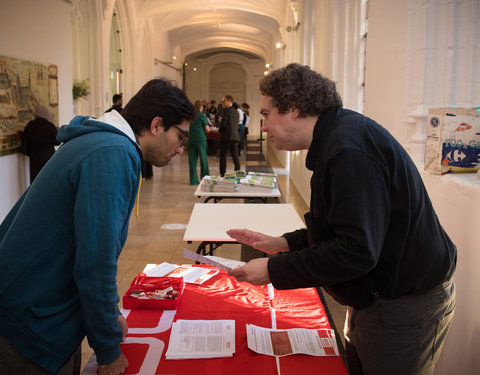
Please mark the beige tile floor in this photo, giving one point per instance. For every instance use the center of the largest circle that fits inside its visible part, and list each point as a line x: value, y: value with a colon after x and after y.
x: 168, y: 198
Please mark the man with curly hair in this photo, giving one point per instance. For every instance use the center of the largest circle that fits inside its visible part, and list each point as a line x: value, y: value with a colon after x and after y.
x: 373, y: 240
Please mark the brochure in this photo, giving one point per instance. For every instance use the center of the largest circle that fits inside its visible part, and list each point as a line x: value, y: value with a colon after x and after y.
x: 201, y: 339
x: 219, y: 262
x: 282, y: 342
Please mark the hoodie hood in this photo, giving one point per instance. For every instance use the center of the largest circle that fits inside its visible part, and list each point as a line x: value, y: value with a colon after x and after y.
x: 110, y: 122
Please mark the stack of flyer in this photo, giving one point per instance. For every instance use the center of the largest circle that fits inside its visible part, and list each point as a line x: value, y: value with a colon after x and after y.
x: 201, y: 339
x: 258, y: 182
x: 219, y: 184
x: 230, y: 174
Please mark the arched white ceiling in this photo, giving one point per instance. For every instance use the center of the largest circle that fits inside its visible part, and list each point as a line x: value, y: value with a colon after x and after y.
x: 252, y: 26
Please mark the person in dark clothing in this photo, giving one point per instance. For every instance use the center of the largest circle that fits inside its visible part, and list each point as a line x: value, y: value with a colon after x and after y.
x: 373, y: 240
x: 218, y: 114
x: 40, y: 137
x: 117, y: 101
x: 229, y: 138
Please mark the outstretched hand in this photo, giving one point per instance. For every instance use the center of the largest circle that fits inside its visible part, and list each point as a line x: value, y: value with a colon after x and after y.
x: 263, y: 242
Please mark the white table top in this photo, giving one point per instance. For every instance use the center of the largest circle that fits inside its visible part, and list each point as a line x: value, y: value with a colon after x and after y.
x: 273, y: 193
x: 210, y: 222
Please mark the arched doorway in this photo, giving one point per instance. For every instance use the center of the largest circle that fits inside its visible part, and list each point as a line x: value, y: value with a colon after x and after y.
x: 228, y: 78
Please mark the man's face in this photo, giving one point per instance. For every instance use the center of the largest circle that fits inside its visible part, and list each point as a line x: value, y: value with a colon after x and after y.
x: 167, y: 144
x: 226, y: 103
x: 281, y: 129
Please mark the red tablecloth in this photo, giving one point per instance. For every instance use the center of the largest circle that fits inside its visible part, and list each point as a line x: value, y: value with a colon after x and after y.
x: 222, y: 297
x: 213, y: 135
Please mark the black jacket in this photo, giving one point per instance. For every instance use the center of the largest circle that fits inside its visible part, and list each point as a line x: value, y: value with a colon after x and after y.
x: 40, y: 137
x: 372, y: 230
x: 229, y: 125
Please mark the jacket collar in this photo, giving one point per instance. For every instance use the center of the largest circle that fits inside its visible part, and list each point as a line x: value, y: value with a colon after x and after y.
x: 324, y: 124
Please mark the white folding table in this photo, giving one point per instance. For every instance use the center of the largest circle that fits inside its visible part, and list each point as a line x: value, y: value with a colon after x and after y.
x: 209, y: 222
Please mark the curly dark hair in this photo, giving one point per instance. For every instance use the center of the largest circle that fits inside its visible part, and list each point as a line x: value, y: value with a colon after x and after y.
x: 158, y: 98
x: 297, y: 86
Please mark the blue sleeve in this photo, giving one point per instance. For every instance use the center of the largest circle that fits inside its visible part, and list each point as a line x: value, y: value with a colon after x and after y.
x: 107, y: 187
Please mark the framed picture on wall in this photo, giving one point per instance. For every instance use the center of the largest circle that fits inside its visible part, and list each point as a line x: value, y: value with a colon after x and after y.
x: 25, y: 87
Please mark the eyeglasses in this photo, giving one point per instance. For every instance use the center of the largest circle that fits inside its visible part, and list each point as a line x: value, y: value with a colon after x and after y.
x: 184, y: 138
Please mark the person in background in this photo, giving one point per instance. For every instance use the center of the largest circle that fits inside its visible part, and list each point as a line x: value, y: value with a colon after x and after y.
x: 246, y: 118
x: 373, y: 240
x: 218, y: 114
x: 147, y: 170
x: 197, y: 145
x: 229, y: 138
x: 40, y: 137
x: 117, y: 101
x: 70, y: 226
x: 241, y: 128
x: 211, y: 112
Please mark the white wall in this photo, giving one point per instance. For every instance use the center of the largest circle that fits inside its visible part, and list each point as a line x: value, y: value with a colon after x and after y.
x: 385, y: 74
x: 27, y: 32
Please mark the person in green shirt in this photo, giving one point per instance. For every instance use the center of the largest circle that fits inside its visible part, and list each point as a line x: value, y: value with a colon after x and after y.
x: 197, y: 145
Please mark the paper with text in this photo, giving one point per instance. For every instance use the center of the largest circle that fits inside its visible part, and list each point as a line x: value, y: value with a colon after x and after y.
x: 282, y: 342
x: 201, y: 339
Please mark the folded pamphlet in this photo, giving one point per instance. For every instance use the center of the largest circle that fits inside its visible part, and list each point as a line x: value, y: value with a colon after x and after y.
x: 201, y: 339
x: 282, y: 342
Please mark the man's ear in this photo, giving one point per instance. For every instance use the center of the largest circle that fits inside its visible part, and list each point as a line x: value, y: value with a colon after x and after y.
x: 295, y: 112
x: 156, y: 125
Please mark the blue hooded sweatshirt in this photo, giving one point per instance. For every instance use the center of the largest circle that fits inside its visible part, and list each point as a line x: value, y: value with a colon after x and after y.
x: 60, y: 243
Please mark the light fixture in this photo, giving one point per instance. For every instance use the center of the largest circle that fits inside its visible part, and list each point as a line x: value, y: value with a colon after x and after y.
x: 167, y: 63
x: 293, y: 28
x: 158, y: 61
x: 265, y: 72
x: 174, y: 57
x: 194, y: 69
x: 280, y: 45
x: 267, y: 65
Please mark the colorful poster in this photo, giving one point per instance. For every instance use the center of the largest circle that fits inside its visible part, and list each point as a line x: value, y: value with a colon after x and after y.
x: 27, y: 89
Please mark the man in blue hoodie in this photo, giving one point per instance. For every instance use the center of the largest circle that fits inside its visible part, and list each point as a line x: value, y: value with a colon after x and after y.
x: 60, y: 243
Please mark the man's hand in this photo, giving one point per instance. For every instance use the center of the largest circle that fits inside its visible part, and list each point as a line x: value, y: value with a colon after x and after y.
x: 124, y: 325
x: 117, y: 367
x: 254, y: 272
x: 259, y: 241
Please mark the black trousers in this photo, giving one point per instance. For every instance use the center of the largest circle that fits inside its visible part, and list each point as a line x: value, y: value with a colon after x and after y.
x: 233, y: 147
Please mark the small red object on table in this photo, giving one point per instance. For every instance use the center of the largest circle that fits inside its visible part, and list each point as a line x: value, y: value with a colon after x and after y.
x: 153, y: 293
